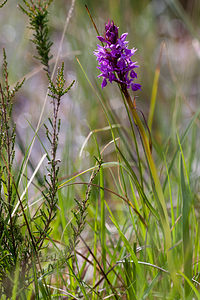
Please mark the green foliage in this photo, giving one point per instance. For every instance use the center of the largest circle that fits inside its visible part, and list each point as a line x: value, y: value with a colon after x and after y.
x: 38, y: 19
x: 80, y: 212
x: 125, y: 226
x: 57, y: 89
x: 48, y: 213
x: 10, y: 237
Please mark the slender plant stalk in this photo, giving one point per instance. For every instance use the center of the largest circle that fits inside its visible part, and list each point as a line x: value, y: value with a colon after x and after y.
x: 154, y: 90
x: 103, y: 225
x: 160, y: 200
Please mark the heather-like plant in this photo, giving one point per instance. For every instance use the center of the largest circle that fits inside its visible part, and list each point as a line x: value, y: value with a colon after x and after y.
x: 37, y: 11
x: 22, y: 248
x: 56, y: 92
x: 122, y: 226
x: 11, y: 246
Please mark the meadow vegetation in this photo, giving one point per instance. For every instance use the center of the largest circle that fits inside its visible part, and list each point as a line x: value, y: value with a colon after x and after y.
x: 99, y: 175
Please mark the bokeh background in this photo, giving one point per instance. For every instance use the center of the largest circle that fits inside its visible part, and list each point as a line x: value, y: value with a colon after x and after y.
x: 168, y: 29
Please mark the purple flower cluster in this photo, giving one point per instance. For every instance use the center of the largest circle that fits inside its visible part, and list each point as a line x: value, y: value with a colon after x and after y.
x: 114, y: 59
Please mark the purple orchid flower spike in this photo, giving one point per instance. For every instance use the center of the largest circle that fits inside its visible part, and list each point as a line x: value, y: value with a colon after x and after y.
x: 114, y: 59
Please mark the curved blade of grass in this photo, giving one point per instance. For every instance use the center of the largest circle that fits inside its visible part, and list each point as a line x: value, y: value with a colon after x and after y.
x: 151, y: 285
x: 138, y: 186
x: 31, y: 179
x: 187, y: 241
x: 95, y: 131
x: 124, y: 239
x: 181, y: 142
x: 171, y: 202
x: 118, y: 195
x: 139, y: 161
x: 125, y: 137
x: 105, y: 165
x: 154, y: 90
x: 159, y: 196
x: 129, y: 250
x: 191, y: 285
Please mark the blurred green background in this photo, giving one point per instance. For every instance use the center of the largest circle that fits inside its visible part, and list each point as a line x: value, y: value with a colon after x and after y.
x: 170, y: 25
